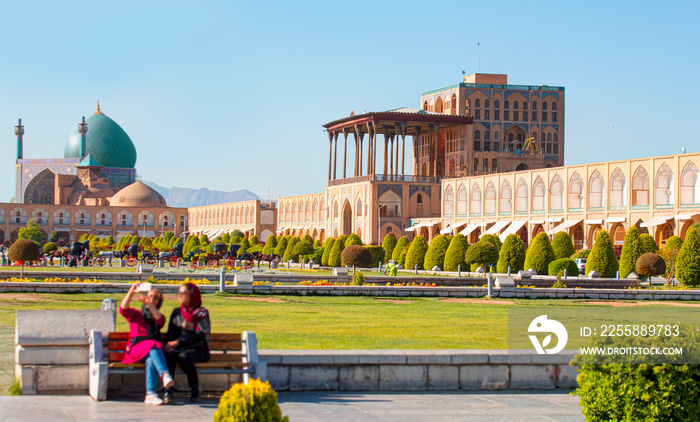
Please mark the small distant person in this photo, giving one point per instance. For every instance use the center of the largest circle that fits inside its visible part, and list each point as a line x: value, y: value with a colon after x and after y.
x: 391, y: 269
x: 144, y: 340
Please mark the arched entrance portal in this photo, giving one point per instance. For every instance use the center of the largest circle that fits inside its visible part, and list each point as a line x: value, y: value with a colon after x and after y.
x: 577, y: 237
x: 346, y: 223
x: 522, y: 233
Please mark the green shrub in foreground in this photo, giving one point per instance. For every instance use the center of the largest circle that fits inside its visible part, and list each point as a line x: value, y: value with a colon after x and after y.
x: 481, y: 254
x: 416, y: 253
x: 648, y: 243
x: 402, y: 243
x: 688, y: 263
x: 252, y: 402
x: 562, y: 245
x: 377, y: 254
x: 539, y: 254
x: 512, y: 255
x: 334, y: 257
x: 559, y: 265
x: 454, y: 257
x: 602, y: 258
x: 631, y: 251
x: 435, y: 257
x: 327, y: 246
x: 389, y: 244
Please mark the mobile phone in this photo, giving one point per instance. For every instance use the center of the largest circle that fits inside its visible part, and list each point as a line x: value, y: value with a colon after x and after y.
x: 144, y: 288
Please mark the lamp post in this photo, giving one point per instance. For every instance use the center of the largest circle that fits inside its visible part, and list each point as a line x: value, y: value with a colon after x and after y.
x: 379, y: 222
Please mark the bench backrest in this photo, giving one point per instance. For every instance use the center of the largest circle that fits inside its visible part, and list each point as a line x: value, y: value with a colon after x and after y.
x: 223, y: 347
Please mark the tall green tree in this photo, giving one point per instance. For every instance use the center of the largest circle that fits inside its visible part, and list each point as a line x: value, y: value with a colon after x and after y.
x: 512, y: 255
x: 602, y: 258
x: 32, y: 232
x: 289, y: 252
x: 454, y: 257
x: 631, y: 251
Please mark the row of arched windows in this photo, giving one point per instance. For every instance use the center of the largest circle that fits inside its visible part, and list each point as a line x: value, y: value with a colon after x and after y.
x: 293, y: 211
x: 534, y: 198
x: 227, y: 215
x: 83, y: 217
x: 506, y: 104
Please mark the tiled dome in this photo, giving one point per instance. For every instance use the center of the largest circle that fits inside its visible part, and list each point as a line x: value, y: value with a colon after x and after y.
x: 137, y: 194
x: 106, y: 141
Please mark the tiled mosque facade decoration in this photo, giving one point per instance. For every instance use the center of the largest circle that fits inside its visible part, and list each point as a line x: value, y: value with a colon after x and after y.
x: 661, y: 195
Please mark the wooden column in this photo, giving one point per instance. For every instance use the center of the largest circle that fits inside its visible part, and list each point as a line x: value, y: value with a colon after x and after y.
x: 386, y: 145
x: 391, y: 155
x: 330, y: 153
x: 416, y: 138
x: 335, y: 154
x: 345, y: 154
x: 435, y: 150
x: 430, y: 149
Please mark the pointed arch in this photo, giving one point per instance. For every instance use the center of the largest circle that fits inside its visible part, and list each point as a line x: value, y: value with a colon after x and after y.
x: 475, y: 200
x: 506, y: 202
x: 358, y: 206
x: 664, y: 186
x: 389, y: 205
x: 538, y: 195
x: 618, y: 188
x: 521, y: 199
x: 462, y: 200
x: 690, y: 184
x: 556, y: 188
x: 448, y: 202
x: 640, y: 187
x: 596, y: 190
x: 490, y: 199
x: 323, y: 210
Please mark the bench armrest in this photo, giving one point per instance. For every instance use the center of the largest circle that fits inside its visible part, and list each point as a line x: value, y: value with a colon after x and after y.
x: 97, y: 374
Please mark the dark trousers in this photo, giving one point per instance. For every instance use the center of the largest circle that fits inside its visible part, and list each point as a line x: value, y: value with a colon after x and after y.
x: 187, y: 360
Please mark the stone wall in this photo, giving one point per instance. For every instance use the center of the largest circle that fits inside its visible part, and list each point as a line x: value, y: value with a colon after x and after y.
x: 396, y: 370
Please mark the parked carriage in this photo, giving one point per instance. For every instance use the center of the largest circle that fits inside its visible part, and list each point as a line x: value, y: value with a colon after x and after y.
x: 174, y: 256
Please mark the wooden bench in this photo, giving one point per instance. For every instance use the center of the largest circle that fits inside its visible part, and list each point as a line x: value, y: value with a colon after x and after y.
x: 231, y: 353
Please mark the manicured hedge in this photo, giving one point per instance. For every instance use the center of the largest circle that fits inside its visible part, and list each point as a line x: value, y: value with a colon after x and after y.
x: 648, y: 243
x: 270, y: 244
x: 435, y: 257
x: 334, y: 257
x: 559, y: 265
x: 454, y: 257
x: 396, y: 255
x: 631, y: 251
x: 512, y: 255
x: 602, y: 258
x: 562, y: 245
x: 377, y: 254
x: 281, y: 246
x: 24, y: 250
x: 481, y: 254
x: 289, y: 252
x: 688, y: 262
x: 389, y: 244
x: 416, y: 253
x: 327, y: 246
x: 353, y: 239
x: 539, y: 254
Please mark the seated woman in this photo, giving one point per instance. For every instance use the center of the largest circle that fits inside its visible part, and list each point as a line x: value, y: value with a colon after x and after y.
x: 188, y: 338
x: 144, y: 340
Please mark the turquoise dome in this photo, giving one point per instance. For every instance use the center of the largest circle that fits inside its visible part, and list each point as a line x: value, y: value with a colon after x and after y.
x: 106, y: 142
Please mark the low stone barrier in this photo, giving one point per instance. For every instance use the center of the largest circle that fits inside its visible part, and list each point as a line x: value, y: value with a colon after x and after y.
x: 52, y: 351
x: 379, y: 291
x: 396, y: 370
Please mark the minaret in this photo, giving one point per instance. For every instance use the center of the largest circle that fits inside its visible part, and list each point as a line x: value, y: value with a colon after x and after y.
x: 82, y: 128
x: 19, y: 131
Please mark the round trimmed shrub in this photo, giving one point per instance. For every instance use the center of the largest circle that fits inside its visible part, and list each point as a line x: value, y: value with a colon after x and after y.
x: 235, y: 240
x: 602, y: 258
x: 454, y: 257
x: 512, y: 255
x: 24, y: 250
x: 377, y: 254
x: 648, y: 243
x: 358, y: 279
x: 50, y: 247
x: 357, y: 256
x: 687, y: 263
x: 416, y: 253
x: 255, y: 401
x: 562, y: 245
x: 334, y: 258
x: 539, y: 254
x: 435, y: 257
x: 481, y: 254
x: 327, y: 246
x: 281, y: 246
x: 559, y: 265
x: 389, y: 244
x: 650, y: 265
x: 631, y: 251
x: 353, y: 239
x: 401, y: 244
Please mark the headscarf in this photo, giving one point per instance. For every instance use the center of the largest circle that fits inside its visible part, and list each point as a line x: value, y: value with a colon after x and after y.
x: 194, y: 312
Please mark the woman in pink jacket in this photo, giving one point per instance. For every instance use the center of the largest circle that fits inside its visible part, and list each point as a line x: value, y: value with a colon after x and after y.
x: 144, y: 340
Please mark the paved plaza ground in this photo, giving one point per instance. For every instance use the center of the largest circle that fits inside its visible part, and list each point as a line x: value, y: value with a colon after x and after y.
x: 315, y: 407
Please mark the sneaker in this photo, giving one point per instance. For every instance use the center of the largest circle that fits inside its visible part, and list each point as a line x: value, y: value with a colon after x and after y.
x: 167, y: 380
x: 153, y: 399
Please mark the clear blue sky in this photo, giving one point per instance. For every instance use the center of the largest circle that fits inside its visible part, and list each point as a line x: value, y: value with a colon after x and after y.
x: 231, y: 95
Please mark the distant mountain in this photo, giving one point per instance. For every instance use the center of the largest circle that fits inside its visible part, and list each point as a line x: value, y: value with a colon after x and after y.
x: 185, y: 197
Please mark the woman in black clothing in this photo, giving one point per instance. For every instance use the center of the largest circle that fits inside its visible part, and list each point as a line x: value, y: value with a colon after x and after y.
x: 187, y: 340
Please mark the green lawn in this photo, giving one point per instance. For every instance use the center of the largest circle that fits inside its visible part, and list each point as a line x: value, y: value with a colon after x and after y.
x: 77, y: 270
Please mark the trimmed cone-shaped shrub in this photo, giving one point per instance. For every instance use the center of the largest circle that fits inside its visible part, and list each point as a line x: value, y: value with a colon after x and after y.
x: 327, y: 251
x: 270, y: 244
x: 343, y: 239
x: 401, y: 244
x: 648, y: 243
x: 583, y: 253
x: 562, y: 245
x: 416, y: 253
x: 539, y: 254
x: 389, y: 244
x: 357, y: 256
x: 454, y: 257
x: 481, y: 254
x: 650, y: 265
x: 334, y: 257
x: 255, y: 401
x: 377, y: 254
x: 318, y: 243
x: 688, y: 261
x: 353, y: 239
x: 281, y: 246
x: 245, y: 245
x: 254, y: 240
x: 318, y: 254
x: 289, y: 252
x: 492, y: 238
x: 559, y: 265
x: 631, y: 251
x: 235, y: 240
x: 203, y: 240
x: 673, y: 242
x: 302, y: 249
x: 512, y: 255
x: 602, y: 258
x: 435, y: 257
x: 24, y: 250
